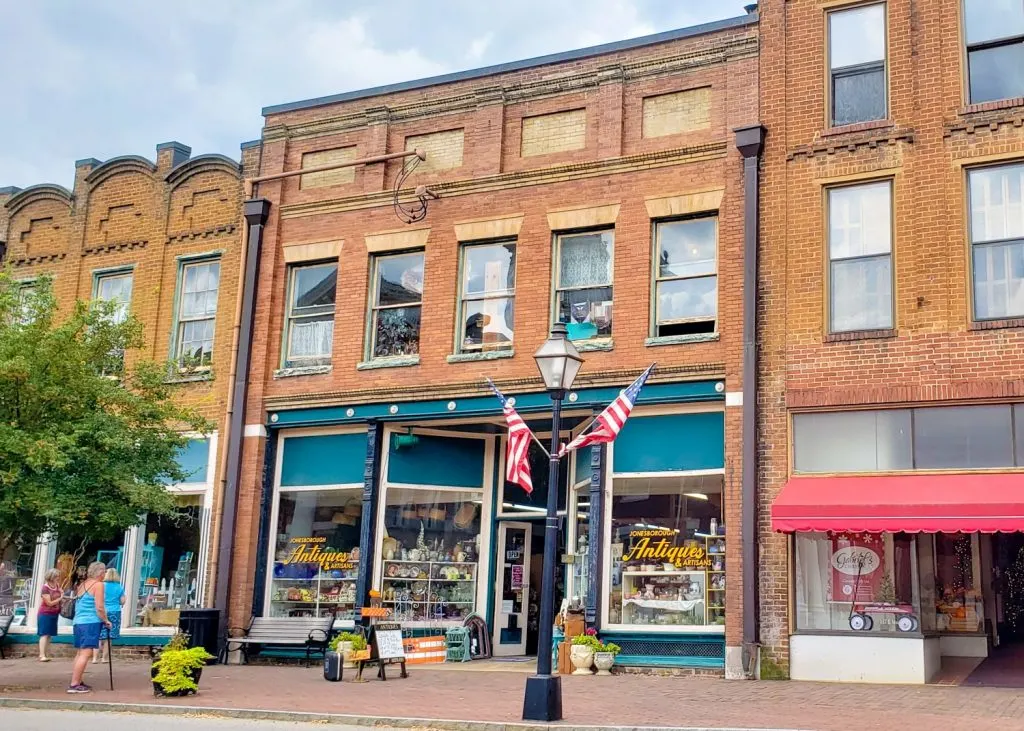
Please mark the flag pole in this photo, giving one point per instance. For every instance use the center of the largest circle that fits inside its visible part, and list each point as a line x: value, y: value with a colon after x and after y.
x: 537, y: 442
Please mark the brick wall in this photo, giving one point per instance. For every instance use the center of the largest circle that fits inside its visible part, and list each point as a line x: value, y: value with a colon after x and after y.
x: 935, y: 353
x: 608, y: 164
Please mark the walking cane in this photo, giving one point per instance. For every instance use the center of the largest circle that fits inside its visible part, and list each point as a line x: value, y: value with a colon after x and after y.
x: 110, y: 662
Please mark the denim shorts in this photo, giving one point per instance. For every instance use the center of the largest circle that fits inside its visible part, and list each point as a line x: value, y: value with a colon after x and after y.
x: 46, y: 625
x: 87, y: 636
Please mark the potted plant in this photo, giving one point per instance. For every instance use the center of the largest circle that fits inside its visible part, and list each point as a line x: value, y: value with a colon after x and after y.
x: 582, y: 652
x: 348, y: 643
x: 604, y: 657
x: 178, y: 667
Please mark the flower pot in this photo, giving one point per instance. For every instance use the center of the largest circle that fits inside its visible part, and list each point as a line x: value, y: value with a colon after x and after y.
x: 582, y: 659
x: 159, y: 692
x: 603, y: 661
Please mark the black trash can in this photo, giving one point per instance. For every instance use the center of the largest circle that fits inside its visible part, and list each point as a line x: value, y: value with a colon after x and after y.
x: 202, y: 627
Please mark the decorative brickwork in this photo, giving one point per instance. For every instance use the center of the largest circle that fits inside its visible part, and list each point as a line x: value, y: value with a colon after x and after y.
x: 678, y: 112
x: 558, y: 132
x: 444, y: 149
x: 341, y: 176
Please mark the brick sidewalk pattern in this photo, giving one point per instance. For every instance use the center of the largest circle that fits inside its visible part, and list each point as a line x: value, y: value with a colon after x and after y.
x: 624, y: 700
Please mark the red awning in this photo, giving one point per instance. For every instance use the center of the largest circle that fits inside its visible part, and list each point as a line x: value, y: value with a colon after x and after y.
x: 911, y: 503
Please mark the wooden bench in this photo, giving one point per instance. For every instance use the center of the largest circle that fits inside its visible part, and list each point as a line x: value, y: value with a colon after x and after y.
x: 5, y: 629
x: 311, y: 633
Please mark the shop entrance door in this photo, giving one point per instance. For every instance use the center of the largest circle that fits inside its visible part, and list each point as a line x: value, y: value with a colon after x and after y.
x: 512, y: 588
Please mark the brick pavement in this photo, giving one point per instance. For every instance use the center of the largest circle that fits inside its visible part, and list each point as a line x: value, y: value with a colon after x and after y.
x: 626, y: 700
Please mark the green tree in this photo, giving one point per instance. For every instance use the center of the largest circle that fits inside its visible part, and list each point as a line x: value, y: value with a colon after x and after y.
x: 86, y: 446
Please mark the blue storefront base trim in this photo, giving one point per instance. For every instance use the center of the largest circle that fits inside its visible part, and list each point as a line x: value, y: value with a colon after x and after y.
x: 659, y: 393
x: 691, y: 650
x: 123, y: 641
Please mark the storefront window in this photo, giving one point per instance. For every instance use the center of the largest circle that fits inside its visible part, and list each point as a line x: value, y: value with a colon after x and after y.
x: 316, y: 554
x: 667, y: 551
x: 856, y: 582
x: 73, y: 556
x: 430, y: 551
x: 958, y: 601
x: 16, y: 586
x: 168, y: 567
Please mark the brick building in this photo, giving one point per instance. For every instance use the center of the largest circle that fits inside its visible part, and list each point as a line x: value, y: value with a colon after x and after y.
x: 891, y: 349
x: 603, y: 188
x: 163, y: 240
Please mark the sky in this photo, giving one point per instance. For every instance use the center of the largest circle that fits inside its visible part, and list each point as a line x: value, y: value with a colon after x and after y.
x: 104, y: 78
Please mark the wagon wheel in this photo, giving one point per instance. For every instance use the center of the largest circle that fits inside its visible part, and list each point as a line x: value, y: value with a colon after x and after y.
x: 871, y: 622
x: 905, y: 623
x: 859, y: 622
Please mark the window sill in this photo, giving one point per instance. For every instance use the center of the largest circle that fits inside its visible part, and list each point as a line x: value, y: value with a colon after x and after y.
x: 1011, y: 103
x: 1004, y: 324
x: 893, y: 635
x: 477, y: 357
x: 846, y: 129
x: 595, y: 344
x: 845, y: 337
x: 681, y: 339
x: 400, y: 361
x: 302, y: 371
x: 206, y: 375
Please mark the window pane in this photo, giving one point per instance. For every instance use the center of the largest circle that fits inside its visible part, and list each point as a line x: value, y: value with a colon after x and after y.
x: 860, y: 220
x: 17, y: 594
x: 587, y: 312
x: 999, y: 281
x: 997, y: 203
x: 996, y: 73
x: 959, y: 437
x: 199, y: 290
x: 679, y: 299
x: 196, y: 347
x: 488, y: 323
x: 169, y: 569
x: 316, y: 554
x: 989, y: 20
x: 585, y: 260
x: 852, y: 441
x: 490, y: 268
x: 117, y: 288
x: 856, y: 36
x: 687, y: 248
x: 311, y: 338
x: 397, y: 332
x: 650, y: 518
x: 861, y: 294
x: 958, y: 601
x: 858, y: 97
x: 399, y: 279
x: 74, y: 554
x: 315, y: 286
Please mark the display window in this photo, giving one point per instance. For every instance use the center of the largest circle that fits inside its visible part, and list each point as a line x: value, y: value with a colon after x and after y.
x: 168, y: 578
x: 16, y: 582
x: 857, y: 582
x: 316, y: 553
x: 667, y: 552
x: 959, y: 606
x: 429, y: 554
x: 72, y: 556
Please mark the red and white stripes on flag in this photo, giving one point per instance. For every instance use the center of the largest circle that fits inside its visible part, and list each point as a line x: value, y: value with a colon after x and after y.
x: 517, y: 457
x: 609, y: 422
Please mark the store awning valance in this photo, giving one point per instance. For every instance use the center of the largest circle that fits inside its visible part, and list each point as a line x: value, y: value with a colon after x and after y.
x: 911, y: 503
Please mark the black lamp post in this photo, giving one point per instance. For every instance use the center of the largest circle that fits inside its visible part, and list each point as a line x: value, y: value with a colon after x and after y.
x: 559, y: 362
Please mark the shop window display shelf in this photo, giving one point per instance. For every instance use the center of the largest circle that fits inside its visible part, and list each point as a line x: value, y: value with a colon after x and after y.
x: 440, y: 594
x: 320, y: 603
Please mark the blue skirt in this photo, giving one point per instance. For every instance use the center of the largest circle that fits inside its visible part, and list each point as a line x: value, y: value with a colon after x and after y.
x: 46, y: 625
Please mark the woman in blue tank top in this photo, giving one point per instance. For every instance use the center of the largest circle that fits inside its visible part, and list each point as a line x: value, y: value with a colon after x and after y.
x: 90, y: 618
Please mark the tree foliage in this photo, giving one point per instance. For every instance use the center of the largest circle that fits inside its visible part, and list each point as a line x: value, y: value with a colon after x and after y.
x: 86, y: 446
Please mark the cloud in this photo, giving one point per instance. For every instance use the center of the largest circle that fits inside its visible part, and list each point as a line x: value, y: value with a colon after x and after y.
x: 479, y: 47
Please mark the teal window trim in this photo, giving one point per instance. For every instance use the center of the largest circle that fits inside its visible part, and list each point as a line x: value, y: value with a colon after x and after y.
x: 656, y: 225
x: 461, y: 299
x: 286, y: 364
x: 372, y: 308
x: 602, y: 342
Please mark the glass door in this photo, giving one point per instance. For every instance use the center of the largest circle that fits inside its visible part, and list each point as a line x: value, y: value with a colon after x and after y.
x: 512, y: 588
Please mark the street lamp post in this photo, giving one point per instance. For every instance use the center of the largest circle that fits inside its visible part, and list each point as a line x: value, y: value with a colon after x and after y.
x: 558, y: 362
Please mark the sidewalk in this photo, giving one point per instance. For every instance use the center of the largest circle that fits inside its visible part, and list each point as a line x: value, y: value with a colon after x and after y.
x: 460, y: 694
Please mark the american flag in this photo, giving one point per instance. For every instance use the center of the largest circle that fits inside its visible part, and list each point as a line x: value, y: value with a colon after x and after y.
x: 609, y: 422
x: 517, y: 459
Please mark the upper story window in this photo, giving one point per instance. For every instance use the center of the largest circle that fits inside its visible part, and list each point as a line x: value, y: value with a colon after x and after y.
x: 685, y: 277
x: 583, y: 283
x: 856, y: 53
x: 860, y: 257
x: 487, y: 297
x: 26, y: 290
x: 116, y: 288
x: 309, y: 327
x: 997, y: 241
x: 396, y: 303
x: 994, y: 30
x: 198, y: 286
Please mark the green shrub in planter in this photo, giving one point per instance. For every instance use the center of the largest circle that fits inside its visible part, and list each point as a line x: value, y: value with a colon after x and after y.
x: 357, y: 640
x: 177, y: 668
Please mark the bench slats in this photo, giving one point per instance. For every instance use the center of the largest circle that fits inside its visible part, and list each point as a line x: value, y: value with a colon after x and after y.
x: 287, y: 630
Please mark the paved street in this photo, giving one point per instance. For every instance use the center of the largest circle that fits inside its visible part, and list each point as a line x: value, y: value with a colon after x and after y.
x: 35, y: 720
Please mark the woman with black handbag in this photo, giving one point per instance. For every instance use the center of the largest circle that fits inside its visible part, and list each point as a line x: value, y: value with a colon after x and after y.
x: 89, y: 616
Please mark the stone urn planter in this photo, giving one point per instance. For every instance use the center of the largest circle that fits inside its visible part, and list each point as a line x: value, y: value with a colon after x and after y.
x: 603, y: 661
x: 582, y: 657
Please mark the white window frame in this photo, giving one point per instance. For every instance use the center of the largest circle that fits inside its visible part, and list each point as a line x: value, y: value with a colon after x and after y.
x: 974, y: 246
x: 846, y: 71
x: 503, y: 294
x: 657, y: 279
x: 292, y: 317
x: 560, y: 236
x: 375, y: 306
x: 981, y: 46
x: 181, y: 319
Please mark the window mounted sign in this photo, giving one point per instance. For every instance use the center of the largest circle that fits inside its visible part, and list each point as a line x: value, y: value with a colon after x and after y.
x: 659, y: 546
x: 517, y: 578
x: 856, y: 566
x: 312, y: 550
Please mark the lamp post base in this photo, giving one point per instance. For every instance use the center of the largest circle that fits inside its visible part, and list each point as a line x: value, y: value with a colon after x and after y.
x: 543, y: 700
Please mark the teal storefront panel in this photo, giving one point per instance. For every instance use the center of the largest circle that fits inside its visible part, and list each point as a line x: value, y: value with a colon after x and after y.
x: 329, y: 459
x: 440, y: 461
x: 673, y: 442
x: 582, y: 471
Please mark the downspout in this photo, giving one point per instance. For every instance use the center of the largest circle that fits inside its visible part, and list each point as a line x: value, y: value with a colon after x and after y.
x: 750, y: 142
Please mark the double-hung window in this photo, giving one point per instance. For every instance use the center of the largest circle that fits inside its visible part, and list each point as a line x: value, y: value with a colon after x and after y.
x: 856, y: 54
x: 116, y: 288
x: 994, y: 30
x: 860, y: 257
x: 685, y: 277
x: 583, y: 283
x: 23, y: 313
x: 488, y: 295
x: 396, y: 303
x: 310, y: 317
x: 997, y: 241
x: 197, y: 313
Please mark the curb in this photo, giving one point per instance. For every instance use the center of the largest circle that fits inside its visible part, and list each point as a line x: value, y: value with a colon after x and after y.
x: 252, y: 714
